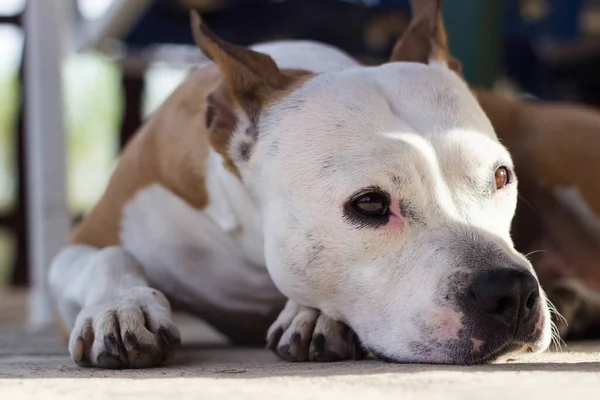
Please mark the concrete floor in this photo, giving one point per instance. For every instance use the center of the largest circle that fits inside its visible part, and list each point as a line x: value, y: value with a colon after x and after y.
x: 36, y: 365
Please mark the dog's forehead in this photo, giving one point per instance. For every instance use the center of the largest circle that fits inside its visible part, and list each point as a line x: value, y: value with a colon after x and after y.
x: 368, y: 109
x: 430, y: 98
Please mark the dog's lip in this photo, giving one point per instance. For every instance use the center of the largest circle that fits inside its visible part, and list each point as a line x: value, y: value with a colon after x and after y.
x: 487, y: 358
x: 500, y: 351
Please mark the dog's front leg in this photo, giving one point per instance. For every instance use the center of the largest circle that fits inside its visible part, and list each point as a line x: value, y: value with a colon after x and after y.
x: 304, y: 334
x: 116, y: 319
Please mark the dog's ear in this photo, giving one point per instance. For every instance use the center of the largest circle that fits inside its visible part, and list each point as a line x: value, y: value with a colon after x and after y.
x: 249, y: 81
x: 245, y: 72
x: 425, y: 39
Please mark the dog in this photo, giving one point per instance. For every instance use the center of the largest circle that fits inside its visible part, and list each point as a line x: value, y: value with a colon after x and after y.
x: 340, y: 209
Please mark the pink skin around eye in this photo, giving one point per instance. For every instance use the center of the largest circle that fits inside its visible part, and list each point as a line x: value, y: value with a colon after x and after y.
x: 396, y: 217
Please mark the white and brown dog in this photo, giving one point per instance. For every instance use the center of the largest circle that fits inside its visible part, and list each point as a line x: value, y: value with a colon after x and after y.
x: 369, y: 206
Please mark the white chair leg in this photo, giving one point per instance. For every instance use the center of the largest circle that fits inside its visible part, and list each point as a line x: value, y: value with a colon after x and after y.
x: 48, y: 212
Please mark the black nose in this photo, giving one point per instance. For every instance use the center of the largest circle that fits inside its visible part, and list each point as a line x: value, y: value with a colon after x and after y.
x: 507, y: 295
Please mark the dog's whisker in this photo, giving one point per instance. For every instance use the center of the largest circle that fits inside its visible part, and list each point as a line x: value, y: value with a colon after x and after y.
x: 555, y: 338
x: 534, y: 252
x: 557, y: 341
x: 554, y: 311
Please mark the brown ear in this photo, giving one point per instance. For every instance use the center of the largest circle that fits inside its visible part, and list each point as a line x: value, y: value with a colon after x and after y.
x: 425, y: 39
x: 244, y: 70
x: 249, y: 79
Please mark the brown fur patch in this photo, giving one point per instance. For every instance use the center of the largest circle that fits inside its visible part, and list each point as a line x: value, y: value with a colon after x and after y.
x: 169, y: 149
x: 556, y: 144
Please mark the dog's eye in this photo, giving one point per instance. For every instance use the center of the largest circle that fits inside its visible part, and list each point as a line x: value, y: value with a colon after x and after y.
x: 371, y: 204
x: 502, y: 177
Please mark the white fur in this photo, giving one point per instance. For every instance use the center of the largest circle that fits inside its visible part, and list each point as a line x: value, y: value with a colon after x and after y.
x: 105, y: 291
x: 307, y: 55
x: 415, y: 131
x: 188, y: 256
x: 420, y: 123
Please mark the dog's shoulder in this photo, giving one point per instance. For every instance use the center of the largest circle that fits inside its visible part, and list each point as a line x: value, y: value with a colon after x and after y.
x: 170, y: 149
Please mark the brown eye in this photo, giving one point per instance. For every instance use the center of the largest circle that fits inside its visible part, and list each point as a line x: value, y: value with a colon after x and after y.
x: 502, y: 177
x: 372, y: 204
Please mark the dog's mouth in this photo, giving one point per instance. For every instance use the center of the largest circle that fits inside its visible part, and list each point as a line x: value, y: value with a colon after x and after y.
x: 495, y: 354
x: 460, y: 356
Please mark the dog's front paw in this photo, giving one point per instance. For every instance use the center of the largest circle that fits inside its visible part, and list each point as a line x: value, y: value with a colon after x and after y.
x: 130, y: 331
x: 304, y: 334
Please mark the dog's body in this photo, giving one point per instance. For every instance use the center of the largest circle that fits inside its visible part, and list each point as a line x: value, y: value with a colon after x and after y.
x: 552, y: 141
x: 356, y: 197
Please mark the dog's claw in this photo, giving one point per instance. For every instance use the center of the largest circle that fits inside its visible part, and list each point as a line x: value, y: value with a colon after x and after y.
x: 131, y: 341
x: 79, y: 355
x: 110, y: 344
x: 294, y: 350
x: 318, y: 344
x: 273, y: 339
x: 357, y: 352
x: 319, y: 352
x: 109, y: 361
x: 168, y: 339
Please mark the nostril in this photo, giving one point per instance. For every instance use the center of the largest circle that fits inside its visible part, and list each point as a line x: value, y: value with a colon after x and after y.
x: 494, y: 302
x: 532, y: 299
x: 503, y: 306
x: 498, y: 293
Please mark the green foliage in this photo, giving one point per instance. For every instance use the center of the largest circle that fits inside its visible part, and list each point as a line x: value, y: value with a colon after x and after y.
x: 92, y: 113
x: 9, y: 102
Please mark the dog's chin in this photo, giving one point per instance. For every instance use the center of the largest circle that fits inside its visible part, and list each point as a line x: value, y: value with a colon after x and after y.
x: 461, y: 355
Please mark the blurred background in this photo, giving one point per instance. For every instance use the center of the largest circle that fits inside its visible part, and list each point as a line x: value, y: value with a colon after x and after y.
x: 116, y: 60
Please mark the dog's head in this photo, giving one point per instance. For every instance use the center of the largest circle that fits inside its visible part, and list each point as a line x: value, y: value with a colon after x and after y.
x: 385, y: 196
